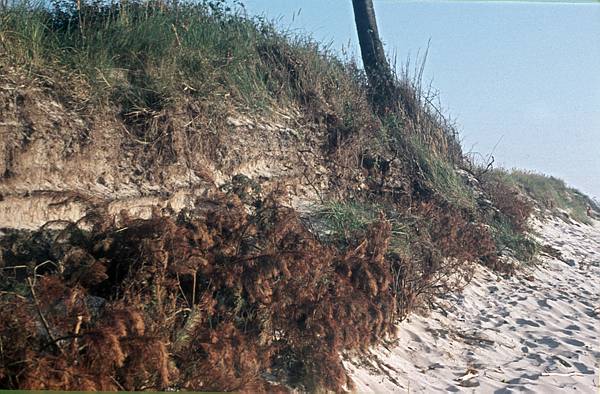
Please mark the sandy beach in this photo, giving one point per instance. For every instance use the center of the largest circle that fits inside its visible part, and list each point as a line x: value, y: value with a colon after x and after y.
x: 536, y: 332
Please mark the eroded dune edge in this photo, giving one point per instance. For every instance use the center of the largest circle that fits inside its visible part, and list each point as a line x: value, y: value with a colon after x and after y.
x: 193, y: 199
x: 535, y: 332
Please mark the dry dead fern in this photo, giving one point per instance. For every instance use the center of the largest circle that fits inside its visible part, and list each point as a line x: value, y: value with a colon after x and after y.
x: 216, y: 299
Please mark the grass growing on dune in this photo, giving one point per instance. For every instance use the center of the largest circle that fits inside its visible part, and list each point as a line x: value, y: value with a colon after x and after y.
x: 553, y: 193
x: 143, y: 56
x: 549, y: 192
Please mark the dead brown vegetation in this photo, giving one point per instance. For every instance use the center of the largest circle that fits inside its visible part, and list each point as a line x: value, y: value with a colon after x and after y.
x: 440, y: 257
x: 509, y: 201
x: 212, y: 301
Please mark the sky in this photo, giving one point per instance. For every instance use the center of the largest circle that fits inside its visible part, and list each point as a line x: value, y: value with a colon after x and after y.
x: 520, y: 79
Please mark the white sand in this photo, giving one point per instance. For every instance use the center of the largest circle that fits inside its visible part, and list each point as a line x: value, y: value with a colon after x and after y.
x: 538, y: 331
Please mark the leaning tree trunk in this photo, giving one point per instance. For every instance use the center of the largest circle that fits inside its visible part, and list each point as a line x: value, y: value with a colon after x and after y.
x: 379, y: 72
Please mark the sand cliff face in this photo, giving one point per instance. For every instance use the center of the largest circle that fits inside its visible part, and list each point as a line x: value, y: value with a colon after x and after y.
x: 538, y: 331
x: 58, y: 160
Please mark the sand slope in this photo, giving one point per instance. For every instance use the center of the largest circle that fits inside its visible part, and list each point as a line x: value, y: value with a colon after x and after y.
x: 536, y: 332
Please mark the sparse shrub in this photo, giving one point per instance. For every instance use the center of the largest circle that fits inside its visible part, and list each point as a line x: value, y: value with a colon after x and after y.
x: 509, y: 220
x: 342, y: 222
x: 431, y: 167
x: 433, y: 245
x: 508, y: 199
x: 514, y: 243
x: 551, y: 193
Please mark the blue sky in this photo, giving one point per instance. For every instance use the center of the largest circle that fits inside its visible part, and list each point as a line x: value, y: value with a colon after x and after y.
x: 521, y: 77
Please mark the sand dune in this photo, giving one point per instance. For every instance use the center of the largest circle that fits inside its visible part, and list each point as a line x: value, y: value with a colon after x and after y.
x: 538, y: 331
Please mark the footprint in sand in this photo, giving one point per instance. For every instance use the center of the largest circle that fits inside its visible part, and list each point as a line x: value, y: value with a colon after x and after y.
x: 501, y: 323
x: 582, y: 368
x: 504, y: 390
x: 536, y: 357
x: 574, y: 342
x: 569, y: 355
x: 525, y: 322
x: 564, y: 362
x: 533, y: 376
x: 586, y: 303
x: 544, y: 303
x: 530, y: 344
x: 413, y: 336
x: 550, y: 342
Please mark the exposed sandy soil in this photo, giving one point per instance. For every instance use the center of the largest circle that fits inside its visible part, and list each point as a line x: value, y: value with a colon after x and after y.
x: 58, y: 160
x: 536, y: 332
